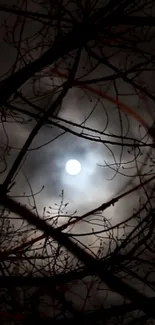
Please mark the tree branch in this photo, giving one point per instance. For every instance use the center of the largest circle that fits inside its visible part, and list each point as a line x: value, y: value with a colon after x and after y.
x: 113, y: 282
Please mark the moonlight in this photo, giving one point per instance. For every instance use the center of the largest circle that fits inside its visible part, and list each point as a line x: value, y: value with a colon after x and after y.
x: 73, y: 167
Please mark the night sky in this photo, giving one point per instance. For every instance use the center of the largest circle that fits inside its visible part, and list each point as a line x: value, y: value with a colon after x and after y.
x: 107, y: 169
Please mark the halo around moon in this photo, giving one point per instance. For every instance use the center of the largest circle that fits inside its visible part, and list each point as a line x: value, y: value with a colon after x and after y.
x: 73, y: 167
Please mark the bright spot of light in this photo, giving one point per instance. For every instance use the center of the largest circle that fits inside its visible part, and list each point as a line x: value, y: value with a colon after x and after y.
x: 73, y: 167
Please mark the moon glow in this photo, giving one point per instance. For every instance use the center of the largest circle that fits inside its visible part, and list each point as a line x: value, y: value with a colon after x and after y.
x: 73, y: 167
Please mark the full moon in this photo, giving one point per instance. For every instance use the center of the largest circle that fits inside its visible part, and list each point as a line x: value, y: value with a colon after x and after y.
x: 73, y: 167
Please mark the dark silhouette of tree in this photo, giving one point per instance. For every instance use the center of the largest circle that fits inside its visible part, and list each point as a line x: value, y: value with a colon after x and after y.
x: 104, y: 50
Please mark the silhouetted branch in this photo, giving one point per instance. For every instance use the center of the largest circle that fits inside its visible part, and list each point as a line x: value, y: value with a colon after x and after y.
x: 111, y: 280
